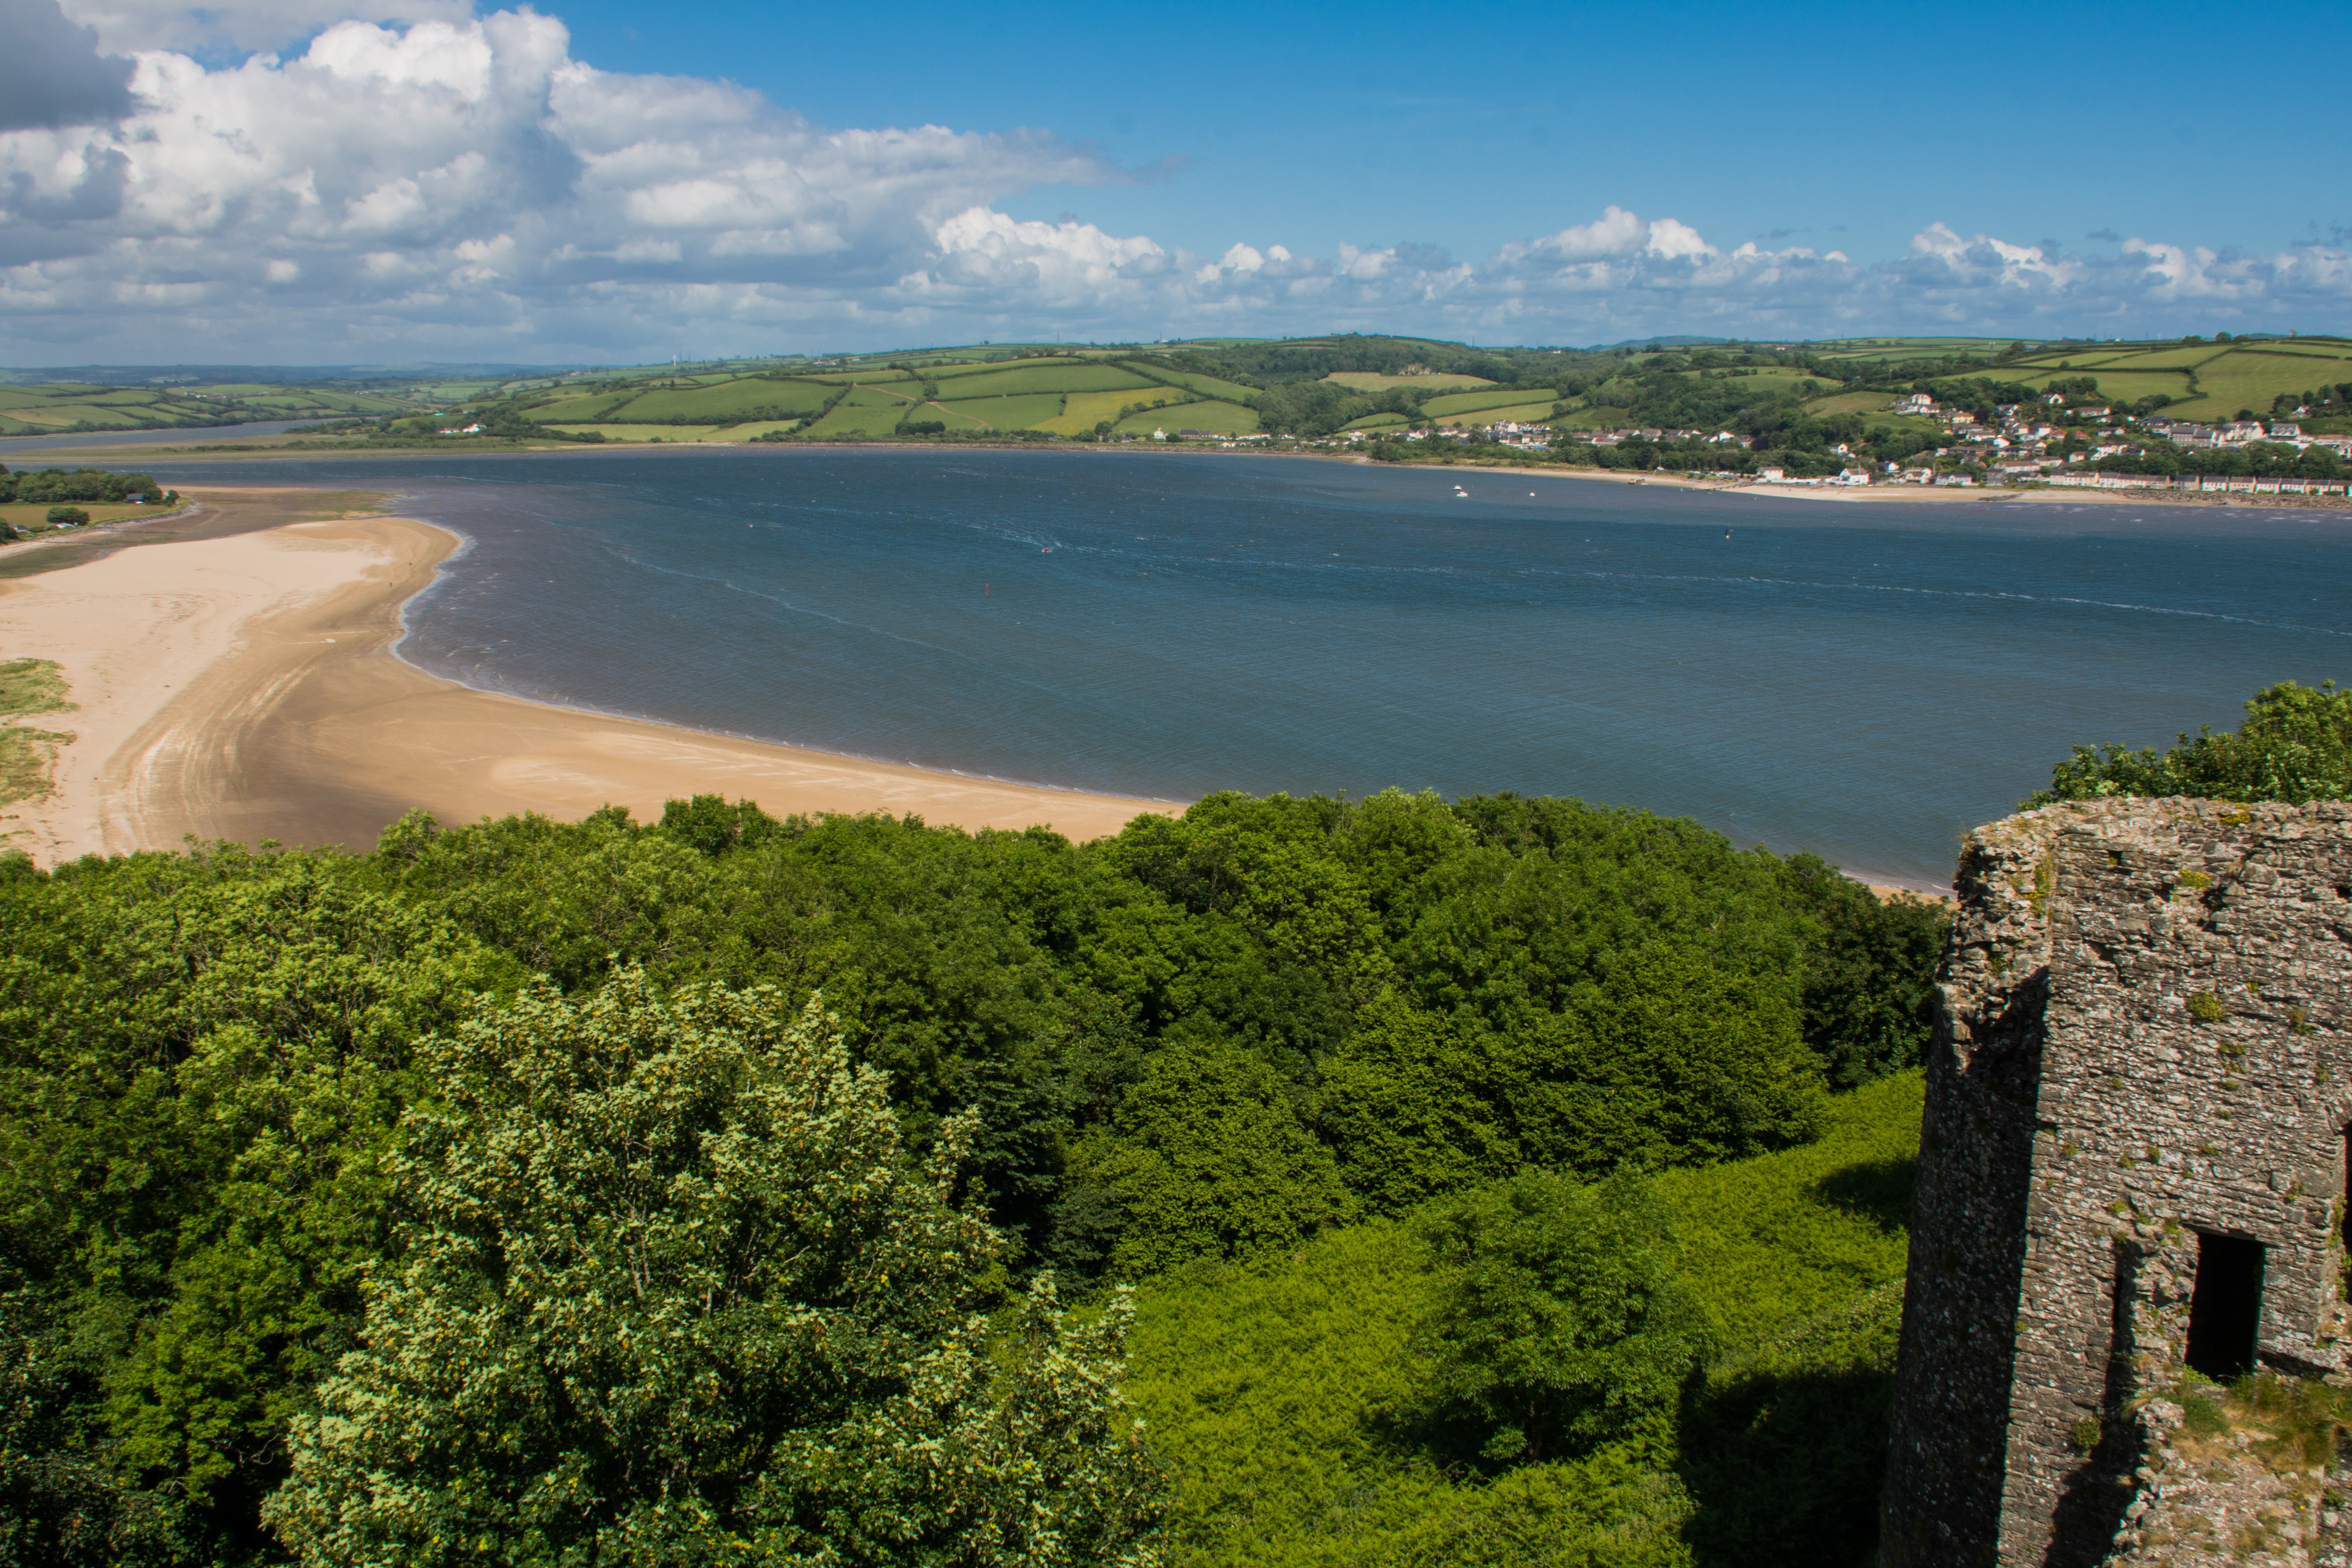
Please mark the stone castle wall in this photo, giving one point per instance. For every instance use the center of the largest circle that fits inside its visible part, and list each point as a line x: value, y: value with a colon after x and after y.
x: 2146, y: 1040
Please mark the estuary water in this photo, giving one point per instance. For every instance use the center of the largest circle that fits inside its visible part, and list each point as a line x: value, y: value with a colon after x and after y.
x: 1867, y: 681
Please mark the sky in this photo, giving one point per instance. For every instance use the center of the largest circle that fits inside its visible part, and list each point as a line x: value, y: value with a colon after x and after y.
x: 397, y: 181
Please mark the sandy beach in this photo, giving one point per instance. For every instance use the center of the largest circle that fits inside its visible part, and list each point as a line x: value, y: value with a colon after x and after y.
x: 240, y: 685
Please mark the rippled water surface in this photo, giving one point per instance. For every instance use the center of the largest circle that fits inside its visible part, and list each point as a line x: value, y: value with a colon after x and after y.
x: 1867, y: 681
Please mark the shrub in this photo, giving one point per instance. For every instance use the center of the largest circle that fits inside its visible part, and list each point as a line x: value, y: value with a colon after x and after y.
x: 670, y: 1292
x: 68, y: 516
x: 1564, y: 1322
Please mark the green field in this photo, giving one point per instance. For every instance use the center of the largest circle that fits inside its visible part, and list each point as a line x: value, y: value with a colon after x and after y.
x: 1030, y: 413
x: 743, y: 399
x: 35, y: 514
x: 2205, y: 380
x: 1202, y: 385
x: 1084, y: 410
x: 1053, y: 375
x: 1477, y: 402
x: 1216, y: 418
x: 1223, y: 384
x: 1848, y: 403
x: 1517, y: 413
x: 1366, y: 381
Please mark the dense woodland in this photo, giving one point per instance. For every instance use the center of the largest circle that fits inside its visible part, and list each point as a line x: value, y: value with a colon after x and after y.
x: 41, y: 485
x: 341, y: 1197
x: 1295, y: 1182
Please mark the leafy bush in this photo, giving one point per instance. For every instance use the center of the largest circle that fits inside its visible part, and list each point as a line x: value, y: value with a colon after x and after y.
x: 1562, y: 1322
x: 65, y: 517
x: 667, y: 1292
x: 2295, y: 745
x: 1293, y: 1399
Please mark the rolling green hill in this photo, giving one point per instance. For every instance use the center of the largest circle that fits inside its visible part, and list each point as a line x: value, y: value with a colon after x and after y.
x: 62, y: 407
x: 1307, y: 387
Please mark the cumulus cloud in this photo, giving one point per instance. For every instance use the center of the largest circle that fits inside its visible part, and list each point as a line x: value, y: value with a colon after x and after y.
x: 467, y: 186
x: 51, y: 72
x: 123, y: 26
x: 461, y: 187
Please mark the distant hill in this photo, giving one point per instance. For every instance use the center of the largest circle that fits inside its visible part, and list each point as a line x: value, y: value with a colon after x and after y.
x: 1221, y: 388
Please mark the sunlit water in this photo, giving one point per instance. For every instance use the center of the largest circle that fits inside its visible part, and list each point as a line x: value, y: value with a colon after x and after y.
x: 1865, y: 680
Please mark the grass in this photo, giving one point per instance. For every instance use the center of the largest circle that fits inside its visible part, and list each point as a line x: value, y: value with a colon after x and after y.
x: 1473, y: 402
x: 855, y: 418
x: 676, y: 433
x: 1199, y: 385
x: 587, y: 408
x: 35, y: 514
x: 1031, y: 411
x: 2252, y: 379
x: 1082, y: 411
x: 28, y: 756
x: 798, y: 399
x: 29, y: 685
x: 1368, y: 381
x: 1288, y: 1398
x: 1044, y: 376
x: 1216, y: 418
x: 1848, y: 403
x: 1520, y: 413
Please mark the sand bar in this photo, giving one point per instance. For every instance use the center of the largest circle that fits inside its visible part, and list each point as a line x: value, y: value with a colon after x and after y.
x: 240, y: 685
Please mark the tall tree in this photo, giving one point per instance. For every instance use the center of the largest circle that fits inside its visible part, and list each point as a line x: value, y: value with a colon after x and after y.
x: 671, y: 1293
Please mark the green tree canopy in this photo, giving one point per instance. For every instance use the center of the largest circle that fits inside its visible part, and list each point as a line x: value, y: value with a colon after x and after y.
x: 2295, y: 745
x: 670, y: 1293
x: 1562, y: 1322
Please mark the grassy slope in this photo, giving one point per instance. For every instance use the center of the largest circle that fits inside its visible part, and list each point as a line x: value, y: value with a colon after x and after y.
x: 1008, y: 413
x: 1284, y: 1395
x: 1217, y: 418
x: 1367, y: 381
x: 1477, y: 401
x: 2228, y: 376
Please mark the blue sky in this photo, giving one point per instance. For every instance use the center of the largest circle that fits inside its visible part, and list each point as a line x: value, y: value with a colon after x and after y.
x: 305, y: 180
x: 1469, y: 125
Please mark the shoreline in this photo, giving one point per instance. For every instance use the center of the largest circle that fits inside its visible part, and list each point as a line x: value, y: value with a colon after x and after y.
x: 1897, y: 494
x: 238, y: 678
x: 1900, y: 495
x: 245, y: 686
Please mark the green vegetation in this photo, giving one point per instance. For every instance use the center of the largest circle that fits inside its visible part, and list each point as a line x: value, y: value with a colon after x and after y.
x: 50, y: 487
x: 1789, y: 405
x: 2295, y: 745
x: 667, y: 1290
x: 347, y: 1198
x: 64, y: 407
x: 28, y: 755
x: 1306, y: 1407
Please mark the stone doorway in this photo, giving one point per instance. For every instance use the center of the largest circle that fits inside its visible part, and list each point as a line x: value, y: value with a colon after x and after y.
x: 2225, y: 1313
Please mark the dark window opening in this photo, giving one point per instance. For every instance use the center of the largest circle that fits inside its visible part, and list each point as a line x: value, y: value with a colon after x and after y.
x: 2226, y: 1311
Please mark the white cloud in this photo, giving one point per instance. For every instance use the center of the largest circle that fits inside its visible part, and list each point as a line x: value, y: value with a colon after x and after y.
x: 51, y: 72
x: 461, y: 187
x: 467, y: 187
x: 123, y: 26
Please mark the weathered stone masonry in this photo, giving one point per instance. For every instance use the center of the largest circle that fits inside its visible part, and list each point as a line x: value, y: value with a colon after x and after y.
x: 2143, y: 1059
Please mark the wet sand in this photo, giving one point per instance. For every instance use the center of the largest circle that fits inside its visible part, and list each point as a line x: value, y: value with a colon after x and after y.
x: 238, y: 683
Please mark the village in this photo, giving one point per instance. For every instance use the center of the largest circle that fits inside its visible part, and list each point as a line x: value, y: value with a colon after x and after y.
x: 2054, y: 441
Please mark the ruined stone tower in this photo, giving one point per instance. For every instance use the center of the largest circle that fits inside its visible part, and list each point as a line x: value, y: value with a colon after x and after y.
x: 2133, y: 1159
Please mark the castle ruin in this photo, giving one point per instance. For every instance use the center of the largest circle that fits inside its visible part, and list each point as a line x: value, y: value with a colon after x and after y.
x: 2132, y: 1161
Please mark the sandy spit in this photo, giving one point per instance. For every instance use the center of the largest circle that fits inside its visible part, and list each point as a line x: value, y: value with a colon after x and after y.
x: 241, y: 686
